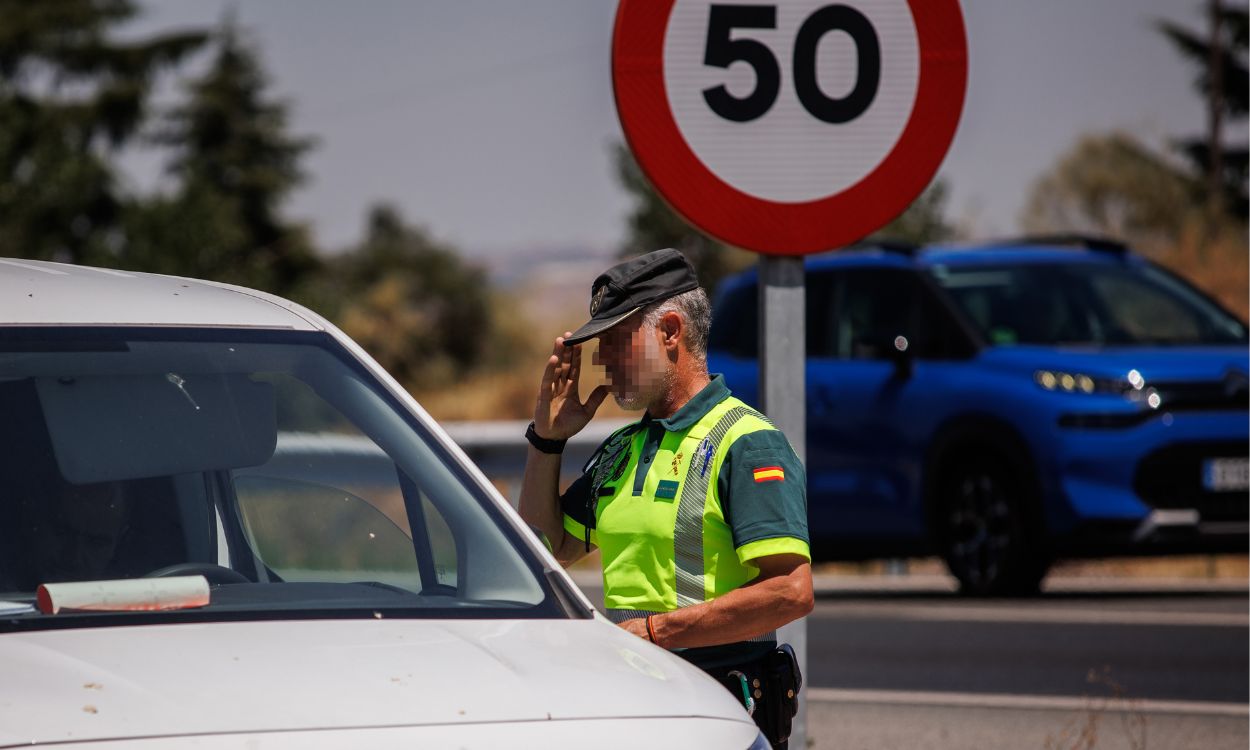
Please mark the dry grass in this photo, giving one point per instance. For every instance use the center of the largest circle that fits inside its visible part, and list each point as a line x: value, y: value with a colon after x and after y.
x: 511, y: 394
x: 1216, y: 259
x: 1189, y: 567
x: 1083, y: 731
x: 488, y: 396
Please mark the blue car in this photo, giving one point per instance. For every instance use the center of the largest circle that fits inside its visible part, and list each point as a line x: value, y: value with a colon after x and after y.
x: 1005, y: 405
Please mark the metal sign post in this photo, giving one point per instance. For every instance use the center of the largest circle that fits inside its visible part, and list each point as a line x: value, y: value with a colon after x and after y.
x: 783, y: 397
x: 788, y: 127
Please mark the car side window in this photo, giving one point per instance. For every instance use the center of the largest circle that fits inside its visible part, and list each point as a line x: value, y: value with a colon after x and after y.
x: 308, y: 532
x: 938, y: 334
x: 1143, y: 310
x: 819, y: 296
x: 735, y: 323
x: 441, y: 544
x: 330, y: 502
x: 735, y: 327
x: 868, y: 309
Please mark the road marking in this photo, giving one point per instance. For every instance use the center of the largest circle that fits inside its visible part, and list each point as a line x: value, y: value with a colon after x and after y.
x: 1049, y: 615
x: 1028, y: 702
x: 921, y: 583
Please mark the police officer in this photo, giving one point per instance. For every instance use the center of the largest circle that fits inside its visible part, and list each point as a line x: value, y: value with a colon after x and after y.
x: 699, y: 508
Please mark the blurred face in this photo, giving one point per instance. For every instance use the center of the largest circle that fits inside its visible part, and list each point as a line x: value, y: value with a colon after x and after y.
x: 76, y: 538
x: 633, y: 358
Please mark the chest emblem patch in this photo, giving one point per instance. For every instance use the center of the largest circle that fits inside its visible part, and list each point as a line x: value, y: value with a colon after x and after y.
x: 666, y: 490
x: 770, y: 474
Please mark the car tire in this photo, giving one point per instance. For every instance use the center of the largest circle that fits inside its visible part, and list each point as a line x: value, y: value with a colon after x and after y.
x: 988, y: 527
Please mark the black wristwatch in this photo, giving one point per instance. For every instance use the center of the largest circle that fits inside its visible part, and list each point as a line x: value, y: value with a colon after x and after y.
x: 543, y: 444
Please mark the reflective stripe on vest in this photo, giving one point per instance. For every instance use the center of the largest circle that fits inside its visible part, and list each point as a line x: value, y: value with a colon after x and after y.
x: 688, y: 534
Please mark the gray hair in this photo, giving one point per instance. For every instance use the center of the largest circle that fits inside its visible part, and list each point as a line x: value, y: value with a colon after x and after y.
x: 694, y: 308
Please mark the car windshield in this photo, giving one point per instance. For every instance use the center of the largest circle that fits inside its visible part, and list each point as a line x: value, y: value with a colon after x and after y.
x: 270, y: 463
x: 1121, y: 304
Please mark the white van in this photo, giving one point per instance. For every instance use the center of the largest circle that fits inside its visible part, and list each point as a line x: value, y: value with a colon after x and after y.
x: 188, y: 560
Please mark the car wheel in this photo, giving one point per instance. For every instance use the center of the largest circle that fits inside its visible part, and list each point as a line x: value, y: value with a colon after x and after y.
x: 986, y: 538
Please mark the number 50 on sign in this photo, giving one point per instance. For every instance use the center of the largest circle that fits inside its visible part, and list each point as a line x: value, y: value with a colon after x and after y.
x: 789, y: 127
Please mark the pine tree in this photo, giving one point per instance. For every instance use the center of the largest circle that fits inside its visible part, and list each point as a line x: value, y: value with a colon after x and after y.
x: 1220, y: 60
x: 235, y: 164
x: 70, y: 96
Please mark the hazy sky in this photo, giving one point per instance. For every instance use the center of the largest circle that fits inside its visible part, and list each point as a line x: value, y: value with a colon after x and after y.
x: 491, y: 122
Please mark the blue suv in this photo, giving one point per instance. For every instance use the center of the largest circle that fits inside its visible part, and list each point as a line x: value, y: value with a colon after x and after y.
x: 1007, y: 404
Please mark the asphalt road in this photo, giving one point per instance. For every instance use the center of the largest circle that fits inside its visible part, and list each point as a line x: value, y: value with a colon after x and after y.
x: 903, y: 662
x: 1167, y: 645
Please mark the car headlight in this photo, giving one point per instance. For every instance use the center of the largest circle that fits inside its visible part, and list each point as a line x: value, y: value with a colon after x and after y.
x: 1132, y: 385
x: 1069, y: 382
x: 761, y: 743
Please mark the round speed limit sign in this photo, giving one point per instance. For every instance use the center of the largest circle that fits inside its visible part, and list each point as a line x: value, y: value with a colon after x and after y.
x: 792, y: 127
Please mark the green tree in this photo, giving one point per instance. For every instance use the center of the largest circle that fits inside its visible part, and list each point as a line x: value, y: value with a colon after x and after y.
x: 235, y: 164
x: 413, y: 303
x: 1220, y: 59
x: 924, y: 221
x: 70, y: 96
x: 653, y: 224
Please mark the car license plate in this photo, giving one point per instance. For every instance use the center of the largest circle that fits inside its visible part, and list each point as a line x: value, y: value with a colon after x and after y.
x: 1226, y: 474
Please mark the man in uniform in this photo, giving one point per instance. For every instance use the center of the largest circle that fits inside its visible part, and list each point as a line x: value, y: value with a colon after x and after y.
x: 699, y: 508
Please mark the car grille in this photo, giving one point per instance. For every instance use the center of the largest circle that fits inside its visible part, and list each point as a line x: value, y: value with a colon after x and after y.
x: 1172, y: 478
x: 1230, y: 394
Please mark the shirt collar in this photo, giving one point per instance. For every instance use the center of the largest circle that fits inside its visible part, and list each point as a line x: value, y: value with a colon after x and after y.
x: 696, y: 408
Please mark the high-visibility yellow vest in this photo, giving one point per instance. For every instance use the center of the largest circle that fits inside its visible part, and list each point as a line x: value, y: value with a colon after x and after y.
x: 664, y: 536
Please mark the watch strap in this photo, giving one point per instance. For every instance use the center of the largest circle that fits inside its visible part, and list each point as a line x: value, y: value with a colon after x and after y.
x: 544, y: 445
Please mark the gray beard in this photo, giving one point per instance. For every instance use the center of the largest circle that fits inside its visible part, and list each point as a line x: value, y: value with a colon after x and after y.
x: 632, y: 402
x: 639, y: 400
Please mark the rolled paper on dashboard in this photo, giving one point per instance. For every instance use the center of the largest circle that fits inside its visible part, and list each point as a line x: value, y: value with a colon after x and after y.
x: 124, y: 595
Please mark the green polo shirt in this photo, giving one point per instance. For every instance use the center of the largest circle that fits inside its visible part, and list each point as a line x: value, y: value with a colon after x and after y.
x: 720, y: 466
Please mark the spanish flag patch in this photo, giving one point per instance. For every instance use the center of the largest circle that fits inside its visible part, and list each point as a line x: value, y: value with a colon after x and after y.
x: 769, y: 474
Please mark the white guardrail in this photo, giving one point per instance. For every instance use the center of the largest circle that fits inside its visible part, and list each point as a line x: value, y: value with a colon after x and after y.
x: 498, y: 448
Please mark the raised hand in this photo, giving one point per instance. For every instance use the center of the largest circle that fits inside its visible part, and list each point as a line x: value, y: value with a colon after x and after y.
x: 560, y: 413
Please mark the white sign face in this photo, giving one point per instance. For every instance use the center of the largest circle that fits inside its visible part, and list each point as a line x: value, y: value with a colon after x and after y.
x: 791, y: 102
x: 789, y: 127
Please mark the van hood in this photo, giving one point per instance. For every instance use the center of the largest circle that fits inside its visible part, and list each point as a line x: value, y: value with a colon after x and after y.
x: 204, y: 679
x: 1154, y: 363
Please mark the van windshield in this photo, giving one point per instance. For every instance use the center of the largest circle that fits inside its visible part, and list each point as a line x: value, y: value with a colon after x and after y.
x: 1122, y: 304
x: 269, y: 463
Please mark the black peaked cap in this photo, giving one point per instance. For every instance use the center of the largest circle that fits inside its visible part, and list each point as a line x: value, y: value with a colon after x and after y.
x: 627, y: 287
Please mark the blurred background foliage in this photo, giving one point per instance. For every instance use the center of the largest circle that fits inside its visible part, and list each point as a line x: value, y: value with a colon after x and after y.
x: 72, y: 94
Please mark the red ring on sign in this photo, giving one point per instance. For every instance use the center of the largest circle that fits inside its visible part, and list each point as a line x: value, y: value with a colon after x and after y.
x: 765, y: 226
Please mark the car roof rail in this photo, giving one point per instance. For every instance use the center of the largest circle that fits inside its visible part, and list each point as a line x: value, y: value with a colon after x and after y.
x: 1095, y: 242
x: 888, y: 245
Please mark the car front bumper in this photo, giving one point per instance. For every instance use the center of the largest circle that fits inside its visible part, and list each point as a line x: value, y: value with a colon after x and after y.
x: 1142, y: 487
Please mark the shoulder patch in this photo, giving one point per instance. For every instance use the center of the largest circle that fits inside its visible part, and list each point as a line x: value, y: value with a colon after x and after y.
x: 769, y: 474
